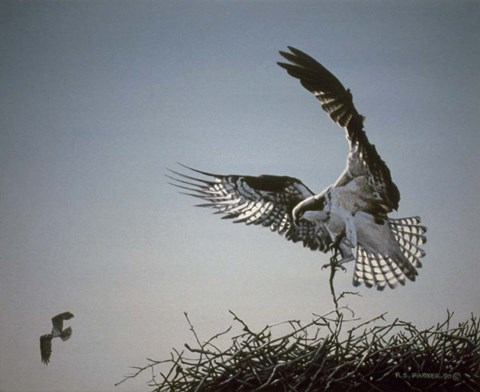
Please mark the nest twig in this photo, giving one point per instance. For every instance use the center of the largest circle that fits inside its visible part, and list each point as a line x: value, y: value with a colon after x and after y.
x: 326, y: 355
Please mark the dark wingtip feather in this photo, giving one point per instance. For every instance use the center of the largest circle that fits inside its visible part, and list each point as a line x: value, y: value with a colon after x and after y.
x: 200, y: 171
x: 294, y: 50
x: 188, y: 177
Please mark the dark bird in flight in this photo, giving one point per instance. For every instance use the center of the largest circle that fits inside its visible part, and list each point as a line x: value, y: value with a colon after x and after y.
x: 351, y: 214
x: 57, y: 332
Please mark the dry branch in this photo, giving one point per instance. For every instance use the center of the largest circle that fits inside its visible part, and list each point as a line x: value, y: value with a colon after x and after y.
x: 324, y: 355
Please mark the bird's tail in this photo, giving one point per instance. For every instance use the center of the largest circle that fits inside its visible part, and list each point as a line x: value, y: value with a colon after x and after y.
x: 66, y: 333
x: 410, y: 235
x: 375, y: 269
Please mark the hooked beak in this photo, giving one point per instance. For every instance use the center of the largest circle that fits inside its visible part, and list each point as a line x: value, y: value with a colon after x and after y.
x: 297, y: 214
x: 314, y: 203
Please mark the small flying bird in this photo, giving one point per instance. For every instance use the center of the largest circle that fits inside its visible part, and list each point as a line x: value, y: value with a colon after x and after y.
x: 351, y: 214
x: 57, y: 332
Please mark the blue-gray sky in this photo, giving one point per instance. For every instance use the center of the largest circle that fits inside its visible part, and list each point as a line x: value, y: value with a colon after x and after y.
x: 98, y: 98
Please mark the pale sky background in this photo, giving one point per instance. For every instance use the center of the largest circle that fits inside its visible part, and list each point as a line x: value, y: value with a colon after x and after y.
x: 98, y: 98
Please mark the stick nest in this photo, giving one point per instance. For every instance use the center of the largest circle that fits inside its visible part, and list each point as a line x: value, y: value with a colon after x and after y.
x: 326, y: 355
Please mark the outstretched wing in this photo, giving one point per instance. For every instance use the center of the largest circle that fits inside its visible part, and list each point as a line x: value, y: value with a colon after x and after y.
x: 66, y: 334
x: 57, y: 321
x: 46, y: 348
x: 338, y: 103
x: 334, y: 98
x: 264, y: 200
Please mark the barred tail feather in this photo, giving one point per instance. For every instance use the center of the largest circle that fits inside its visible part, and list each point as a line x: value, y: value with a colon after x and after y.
x: 410, y: 235
x: 379, y: 270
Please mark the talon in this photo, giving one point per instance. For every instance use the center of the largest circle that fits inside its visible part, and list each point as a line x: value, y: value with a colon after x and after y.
x: 335, y: 265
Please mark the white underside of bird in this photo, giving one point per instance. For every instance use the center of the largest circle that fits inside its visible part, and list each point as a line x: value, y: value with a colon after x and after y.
x: 350, y: 215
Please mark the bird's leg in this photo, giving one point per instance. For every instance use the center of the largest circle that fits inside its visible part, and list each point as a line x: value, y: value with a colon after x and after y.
x: 345, y: 249
x: 334, y: 262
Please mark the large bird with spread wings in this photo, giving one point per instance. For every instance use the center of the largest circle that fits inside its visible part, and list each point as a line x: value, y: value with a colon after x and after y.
x: 57, y: 332
x: 350, y: 215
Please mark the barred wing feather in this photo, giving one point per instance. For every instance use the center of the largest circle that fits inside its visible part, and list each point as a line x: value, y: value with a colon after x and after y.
x: 337, y: 101
x: 264, y: 200
x: 334, y: 98
x: 388, y: 250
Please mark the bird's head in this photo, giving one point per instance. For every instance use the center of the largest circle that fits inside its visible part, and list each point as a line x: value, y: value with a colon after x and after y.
x: 313, y: 208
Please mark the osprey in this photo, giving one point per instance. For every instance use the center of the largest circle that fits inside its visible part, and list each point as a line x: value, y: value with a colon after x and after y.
x: 57, y: 332
x: 351, y: 214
